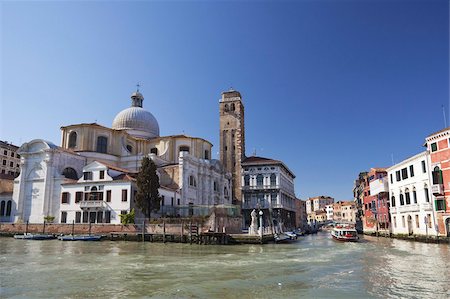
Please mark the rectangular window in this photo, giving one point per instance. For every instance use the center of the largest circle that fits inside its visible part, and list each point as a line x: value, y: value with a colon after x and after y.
x: 404, y: 173
x: 124, y: 195
x: 411, y: 170
x: 427, y: 196
x: 429, y: 220
x: 77, y: 217
x: 440, y: 204
x: 395, y: 222
x: 87, y: 175
x: 162, y: 200
x: 4, y: 162
x: 417, y: 221
x: 102, y: 174
x: 5, y: 152
x: 65, y: 197
x: 108, y: 195
x: 391, y: 179
x: 78, y: 196
x: 403, y: 221
x: 100, y: 217
x: 434, y: 147
x: 397, y: 175
x: 178, y: 201
x: 424, y: 168
x: 63, y: 217
x: 107, y: 216
x: 12, y: 154
x: 85, y: 217
x: 11, y: 164
x: 172, y: 201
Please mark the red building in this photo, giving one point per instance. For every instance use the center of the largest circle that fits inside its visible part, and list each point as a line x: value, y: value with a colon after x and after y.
x: 376, y: 202
x: 439, y: 149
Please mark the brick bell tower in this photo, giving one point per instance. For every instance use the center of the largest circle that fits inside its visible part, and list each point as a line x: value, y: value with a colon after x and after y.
x: 232, y: 138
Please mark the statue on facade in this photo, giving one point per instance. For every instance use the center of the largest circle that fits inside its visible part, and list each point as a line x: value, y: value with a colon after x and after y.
x: 253, y: 230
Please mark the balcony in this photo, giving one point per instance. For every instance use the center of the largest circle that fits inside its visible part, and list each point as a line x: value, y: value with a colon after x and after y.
x: 437, y: 189
x: 89, y: 204
x: 426, y: 206
x: 260, y: 187
x: 379, y: 185
x: 408, y: 208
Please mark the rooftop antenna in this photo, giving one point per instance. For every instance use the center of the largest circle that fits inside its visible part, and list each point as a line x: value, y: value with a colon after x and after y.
x: 445, y: 118
x: 137, y: 87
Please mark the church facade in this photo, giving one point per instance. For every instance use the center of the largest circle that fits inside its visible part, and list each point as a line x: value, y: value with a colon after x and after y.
x: 91, y: 176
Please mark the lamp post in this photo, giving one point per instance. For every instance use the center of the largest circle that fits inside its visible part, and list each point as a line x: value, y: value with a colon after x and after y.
x: 261, y: 223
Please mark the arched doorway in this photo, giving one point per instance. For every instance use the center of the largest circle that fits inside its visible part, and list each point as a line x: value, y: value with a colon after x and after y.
x: 410, y: 226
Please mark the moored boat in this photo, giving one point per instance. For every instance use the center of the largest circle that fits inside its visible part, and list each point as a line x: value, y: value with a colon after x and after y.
x: 29, y: 236
x: 344, y: 233
x: 80, y: 238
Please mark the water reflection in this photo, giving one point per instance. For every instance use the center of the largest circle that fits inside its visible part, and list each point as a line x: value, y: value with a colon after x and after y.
x: 316, y: 266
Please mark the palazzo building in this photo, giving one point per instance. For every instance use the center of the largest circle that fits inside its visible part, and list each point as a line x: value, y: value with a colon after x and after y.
x: 95, y: 164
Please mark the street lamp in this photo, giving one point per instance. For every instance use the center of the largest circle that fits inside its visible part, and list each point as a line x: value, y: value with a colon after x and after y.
x: 261, y: 223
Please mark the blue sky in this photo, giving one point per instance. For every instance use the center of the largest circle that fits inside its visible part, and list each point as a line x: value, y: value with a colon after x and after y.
x: 332, y: 88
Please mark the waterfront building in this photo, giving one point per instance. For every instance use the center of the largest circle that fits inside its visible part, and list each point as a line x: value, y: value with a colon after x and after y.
x: 376, y: 215
x: 358, y: 198
x: 316, y: 204
x: 438, y: 146
x: 317, y: 218
x: 330, y: 212
x: 184, y: 164
x: 410, y: 196
x: 10, y: 160
x: 301, y: 216
x: 344, y: 212
x: 268, y: 185
x: 6, y: 202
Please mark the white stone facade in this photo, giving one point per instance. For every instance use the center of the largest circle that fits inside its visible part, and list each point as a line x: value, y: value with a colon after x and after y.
x: 411, y: 207
x: 329, y: 211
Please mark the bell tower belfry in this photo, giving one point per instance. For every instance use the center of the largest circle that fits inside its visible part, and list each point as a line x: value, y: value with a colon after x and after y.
x: 232, y: 138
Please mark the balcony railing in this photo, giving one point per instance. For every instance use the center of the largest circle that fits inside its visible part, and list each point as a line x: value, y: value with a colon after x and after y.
x: 259, y: 187
x: 408, y: 208
x: 437, y: 189
x: 426, y: 206
x: 92, y: 204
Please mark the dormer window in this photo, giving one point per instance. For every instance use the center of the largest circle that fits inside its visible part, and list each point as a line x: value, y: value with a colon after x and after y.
x: 184, y: 148
x: 87, y: 175
x: 102, y: 174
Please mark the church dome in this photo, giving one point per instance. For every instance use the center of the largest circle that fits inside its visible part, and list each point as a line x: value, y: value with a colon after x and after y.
x: 136, y: 120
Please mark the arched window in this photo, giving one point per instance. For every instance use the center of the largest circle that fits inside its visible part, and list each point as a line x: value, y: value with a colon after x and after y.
x: 215, y: 186
x: 246, y: 180
x: 408, y: 199
x: 402, y: 200
x: 72, y: 139
x: 70, y: 173
x: 184, y: 148
x: 8, y: 208
x: 129, y: 148
x: 393, y: 201
x: 225, y: 191
x: 232, y: 107
x: 437, y: 176
x: 414, y: 195
x: 154, y: 151
x: 259, y: 180
x: 273, y: 179
x: 226, y: 107
x: 2, y: 208
x: 192, y: 181
x: 102, y: 144
x: 93, y: 189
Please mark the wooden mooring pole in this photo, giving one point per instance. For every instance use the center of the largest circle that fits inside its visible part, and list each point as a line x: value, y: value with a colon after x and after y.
x: 164, y: 231
x: 143, y: 231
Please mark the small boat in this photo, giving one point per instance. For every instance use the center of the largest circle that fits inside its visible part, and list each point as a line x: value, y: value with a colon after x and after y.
x: 29, y: 236
x: 80, y: 238
x: 344, y: 233
x: 291, y: 235
x: 282, y: 238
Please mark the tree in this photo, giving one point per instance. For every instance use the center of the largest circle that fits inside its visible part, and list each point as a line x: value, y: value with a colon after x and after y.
x: 127, y: 218
x: 147, y: 181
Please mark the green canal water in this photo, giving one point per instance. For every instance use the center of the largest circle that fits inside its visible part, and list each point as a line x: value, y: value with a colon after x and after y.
x: 313, y: 267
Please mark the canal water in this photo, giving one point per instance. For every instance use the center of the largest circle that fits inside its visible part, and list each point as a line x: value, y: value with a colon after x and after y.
x: 314, y: 267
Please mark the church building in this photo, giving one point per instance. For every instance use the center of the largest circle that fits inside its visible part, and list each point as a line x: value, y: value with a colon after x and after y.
x: 91, y: 176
